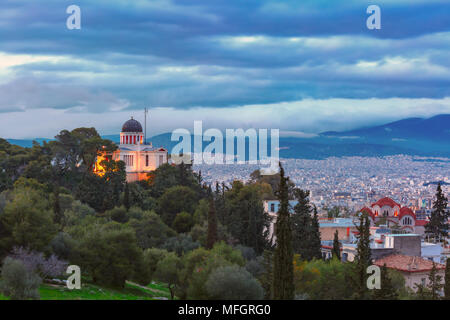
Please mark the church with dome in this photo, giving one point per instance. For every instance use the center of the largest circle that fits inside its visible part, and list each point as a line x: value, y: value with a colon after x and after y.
x: 139, y: 156
x: 390, y: 213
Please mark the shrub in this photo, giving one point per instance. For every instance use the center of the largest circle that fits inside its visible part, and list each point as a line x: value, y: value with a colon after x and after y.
x: 233, y: 283
x: 183, y: 222
x: 18, y: 283
x: 35, y: 262
x: 180, y: 244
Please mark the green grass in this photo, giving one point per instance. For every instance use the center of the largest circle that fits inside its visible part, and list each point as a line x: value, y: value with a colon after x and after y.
x: 90, y: 291
x: 2, y: 297
x: 93, y: 292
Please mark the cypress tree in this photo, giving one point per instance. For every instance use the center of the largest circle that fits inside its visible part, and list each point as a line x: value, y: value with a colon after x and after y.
x: 266, y: 278
x: 435, y: 283
x: 283, y: 268
x: 447, y: 280
x: 126, y: 197
x: 336, y: 246
x: 183, y: 174
x: 212, y: 226
x: 316, y: 245
x: 438, y: 225
x: 301, y: 224
x: 387, y: 290
x: 363, y: 257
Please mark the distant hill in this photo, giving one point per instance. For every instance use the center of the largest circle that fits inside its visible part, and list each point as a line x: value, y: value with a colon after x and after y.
x: 27, y: 143
x: 412, y: 136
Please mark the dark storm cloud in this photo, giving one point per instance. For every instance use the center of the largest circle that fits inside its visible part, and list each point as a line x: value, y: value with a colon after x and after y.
x: 218, y: 53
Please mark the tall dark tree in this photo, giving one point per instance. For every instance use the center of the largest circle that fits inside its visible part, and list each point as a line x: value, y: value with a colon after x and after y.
x: 244, y: 216
x: 212, y: 226
x: 57, y: 212
x: 447, y: 280
x: 435, y: 284
x: 438, y: 226
x: 301, y: 224
x: 266, y: 277
x: 336, y: 246
x: 387, y: 290
x: 126, y: 197
x: 363, y: 257
x: 283, y: 270
x: 316, y: 245
x: 183, y: 174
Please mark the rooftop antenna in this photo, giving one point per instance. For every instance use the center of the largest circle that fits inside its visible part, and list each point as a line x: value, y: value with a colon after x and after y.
x: 145, y: 125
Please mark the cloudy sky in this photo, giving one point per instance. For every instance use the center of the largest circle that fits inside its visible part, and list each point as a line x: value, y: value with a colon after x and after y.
x: 302, y: 66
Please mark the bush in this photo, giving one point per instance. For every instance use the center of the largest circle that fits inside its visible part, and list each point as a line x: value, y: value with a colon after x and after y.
x: 118, y: 214
x: 110, y: 254
x: 77, y: 212
x: 175, y: 200
x: 256, y: 267
x: 35, y: 262
x: 233, y: 283
x: 180, y: 244
x: 167, y: 271
x: 18, y: 283
x: 151, y: 231
x: 247, y: 252
x: 151, y: 258
x: 63, y: 245
x: 183, y: 222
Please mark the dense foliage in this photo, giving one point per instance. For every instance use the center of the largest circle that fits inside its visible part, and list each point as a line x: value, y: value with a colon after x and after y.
x: 202, y: 242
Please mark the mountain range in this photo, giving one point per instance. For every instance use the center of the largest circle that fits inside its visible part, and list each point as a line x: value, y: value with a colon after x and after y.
x: 412, y: 136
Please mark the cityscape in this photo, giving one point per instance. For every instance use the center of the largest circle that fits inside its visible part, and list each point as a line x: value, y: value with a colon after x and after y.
x: 353, y: 182
x: 215, y: 159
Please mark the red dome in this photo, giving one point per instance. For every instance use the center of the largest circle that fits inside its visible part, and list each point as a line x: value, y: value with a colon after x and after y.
x: 386, y: 202
x: 406, y: 211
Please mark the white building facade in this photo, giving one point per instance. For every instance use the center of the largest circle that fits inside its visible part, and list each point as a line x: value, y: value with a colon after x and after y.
x: 140, y: 158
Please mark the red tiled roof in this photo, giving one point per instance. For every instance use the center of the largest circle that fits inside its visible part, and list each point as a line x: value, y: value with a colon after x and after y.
x: 386, y: 202
x: 407, y: 263
x: 406, y: 211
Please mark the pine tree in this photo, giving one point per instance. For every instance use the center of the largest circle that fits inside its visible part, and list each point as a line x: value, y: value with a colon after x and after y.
x: 438, y: 225
x: 363, y: 256
x: 435, y: 283
x: 336, y: 246
x: 212, y: 226
x: 301, y: 224
x: 387, y: 290
x: 126, y: 197
x: 283, y: 270
x: 316, y: 244
x: 447, y: 280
